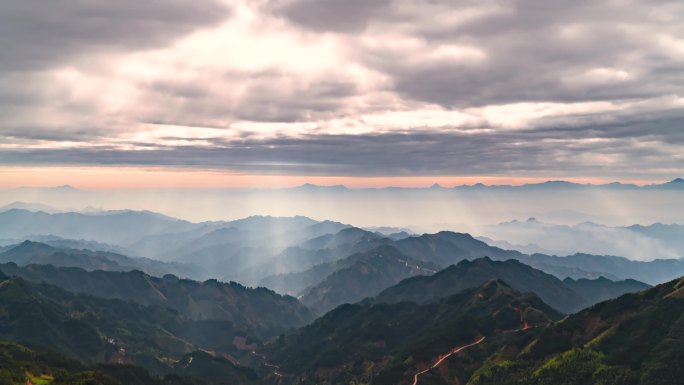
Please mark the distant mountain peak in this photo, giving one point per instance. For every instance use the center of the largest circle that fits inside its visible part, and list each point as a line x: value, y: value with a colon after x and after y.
x: 588, y: 224
x: 677, y: 181
x: 311, y: 186
x: 28, y: 243
x: 471, y: 274
x: 484, y: 259
x: 28, y: 206
x: 63, y: 188
x: 450, y: 233
x: 353, y: 230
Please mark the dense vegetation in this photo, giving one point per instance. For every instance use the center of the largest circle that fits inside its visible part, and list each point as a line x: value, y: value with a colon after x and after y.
x: 129, y: 327
x: 567, y: 296
x: 96, y: 330
x: 60, y: 255
x: 260, y: 310
x: 602, y: 289
x: 635, y: 339
x: 21, y: 365
x: 467, y: 274
x: 362, y: 275
x: 385, y: 343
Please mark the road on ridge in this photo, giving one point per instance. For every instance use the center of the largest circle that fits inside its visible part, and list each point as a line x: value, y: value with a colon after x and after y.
x: 452, y: 352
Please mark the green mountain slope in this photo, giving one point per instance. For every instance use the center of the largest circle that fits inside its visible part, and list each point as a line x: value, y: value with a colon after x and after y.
x: 467, y: 274
x: 635, y: 339
x: 29, y: 252
x: 363, y: 275
x: 601, y: 289
x: 21, y: 365
x: 260, y: 310
x: 115, y: 227
x: 96, y: 330
x: 446, y: 248
x: 388, y: 343
x: 308, y: 265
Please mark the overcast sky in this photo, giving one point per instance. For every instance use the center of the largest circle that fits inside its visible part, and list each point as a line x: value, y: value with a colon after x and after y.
x: 346, y: 88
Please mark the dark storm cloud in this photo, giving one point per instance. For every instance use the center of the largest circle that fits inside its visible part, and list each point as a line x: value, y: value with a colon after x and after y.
x: 38, y: 34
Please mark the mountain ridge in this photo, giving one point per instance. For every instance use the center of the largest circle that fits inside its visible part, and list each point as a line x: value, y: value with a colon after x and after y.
x: 361, y: 275
x: 467, y: 274
x: 261, y: 310
x: 385, y: 343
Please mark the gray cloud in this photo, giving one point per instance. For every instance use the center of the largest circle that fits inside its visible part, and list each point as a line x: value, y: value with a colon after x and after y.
x: 541, y: 151
x: 270, y: 96
x: 265, y: 101
x: 333, y: 15
x: 453, y: 54
x: 40, y: 34
x: 536, y: 50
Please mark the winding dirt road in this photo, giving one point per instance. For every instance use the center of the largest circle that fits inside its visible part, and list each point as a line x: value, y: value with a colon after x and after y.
x: 452, y: 352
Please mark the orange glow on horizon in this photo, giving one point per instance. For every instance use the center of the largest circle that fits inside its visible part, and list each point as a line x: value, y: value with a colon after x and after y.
x: 115, y: 178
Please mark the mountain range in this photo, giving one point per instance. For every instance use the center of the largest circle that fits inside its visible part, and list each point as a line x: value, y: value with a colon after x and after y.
x: 567, y: 296
x: 357, y: 306
x: 92, y: 329
x: 361, y: 275
x: 430, y: 209
x: 254, y: 250
x: 29, y: 252
x: 676, y: 183
x: 334, y: 279
x: 634, y: 339
x: 260, y: 311
x: 637, y: 242
x: 325, y: 264
x: 228, y: 247
x: 384, y: 343
x: 161, y: 326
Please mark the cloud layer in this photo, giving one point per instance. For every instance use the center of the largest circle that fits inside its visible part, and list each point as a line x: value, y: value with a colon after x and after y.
x: 347, y: 87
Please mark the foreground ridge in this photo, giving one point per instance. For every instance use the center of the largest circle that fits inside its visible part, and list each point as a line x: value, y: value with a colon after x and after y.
x: 451, y: 353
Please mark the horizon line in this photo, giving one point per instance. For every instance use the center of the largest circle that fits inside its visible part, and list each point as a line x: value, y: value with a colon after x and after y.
x: 156, y: 178
x: 435, y: 185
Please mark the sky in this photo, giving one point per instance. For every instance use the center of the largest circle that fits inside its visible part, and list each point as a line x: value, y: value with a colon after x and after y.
x: 257, y: 93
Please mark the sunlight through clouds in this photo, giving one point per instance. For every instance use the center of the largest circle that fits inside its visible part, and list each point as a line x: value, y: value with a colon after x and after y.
x: 269, y: 77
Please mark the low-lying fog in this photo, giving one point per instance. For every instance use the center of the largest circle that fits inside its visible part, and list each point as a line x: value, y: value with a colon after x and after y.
x: 565, y: 219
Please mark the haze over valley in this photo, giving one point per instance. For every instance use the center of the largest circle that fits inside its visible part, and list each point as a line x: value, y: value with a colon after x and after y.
x: 229, y: 301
